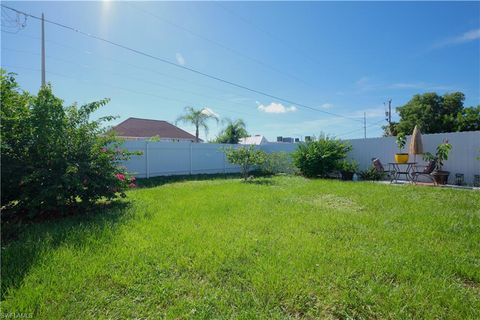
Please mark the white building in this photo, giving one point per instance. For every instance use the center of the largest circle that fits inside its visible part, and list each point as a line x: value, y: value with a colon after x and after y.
x: 256, y: 139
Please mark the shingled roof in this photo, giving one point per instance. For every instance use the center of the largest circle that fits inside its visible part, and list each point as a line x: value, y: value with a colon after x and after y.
x: 146, y: 128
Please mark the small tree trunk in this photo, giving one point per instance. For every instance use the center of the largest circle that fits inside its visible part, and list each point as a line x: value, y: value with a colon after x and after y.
x: 196, y: 134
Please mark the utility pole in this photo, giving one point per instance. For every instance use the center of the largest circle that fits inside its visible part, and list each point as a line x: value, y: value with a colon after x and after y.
x: 365, y: 125
x: 390, y: 112
x: 43, y: 51
x: 388, y: 115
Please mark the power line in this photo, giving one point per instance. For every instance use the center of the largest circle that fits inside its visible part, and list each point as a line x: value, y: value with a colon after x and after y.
x: 12, y: 23
x: 123, y: 63
x: 179, y: 66
x: 116, y: 87
x: 363, y: 128
x: 139, y: 80
x: 219, y: 44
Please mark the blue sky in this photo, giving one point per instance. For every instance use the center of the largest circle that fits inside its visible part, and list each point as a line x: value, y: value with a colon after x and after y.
x: 345, y: 58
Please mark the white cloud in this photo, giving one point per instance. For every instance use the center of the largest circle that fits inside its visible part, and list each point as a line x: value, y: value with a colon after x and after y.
x: 468, y: 36
x: 180, y: 59
x: 275, y: 107
x: 210, y: 112
x: 326, y: 106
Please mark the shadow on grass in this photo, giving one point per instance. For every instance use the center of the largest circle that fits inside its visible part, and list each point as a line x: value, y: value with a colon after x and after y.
x: 24, y: 244
x: 162, y: 180
x: 259, y: 178
x: 262, y: 181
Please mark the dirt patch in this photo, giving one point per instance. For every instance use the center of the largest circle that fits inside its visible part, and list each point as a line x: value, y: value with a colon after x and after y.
x: 332, y: 201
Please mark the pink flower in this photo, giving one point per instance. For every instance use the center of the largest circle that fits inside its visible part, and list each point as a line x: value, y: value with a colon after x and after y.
x: 132, y: 179
x: 132, y: 185
x: 120, y: 176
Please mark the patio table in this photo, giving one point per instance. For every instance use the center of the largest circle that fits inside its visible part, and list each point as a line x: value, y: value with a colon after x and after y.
x: 399, y: 169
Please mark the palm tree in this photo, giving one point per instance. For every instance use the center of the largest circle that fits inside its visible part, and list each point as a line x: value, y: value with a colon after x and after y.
x: 198, y: 118
x: 233, y: 132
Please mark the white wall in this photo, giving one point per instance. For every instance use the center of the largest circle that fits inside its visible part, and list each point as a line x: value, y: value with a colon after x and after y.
x: 174, y: 158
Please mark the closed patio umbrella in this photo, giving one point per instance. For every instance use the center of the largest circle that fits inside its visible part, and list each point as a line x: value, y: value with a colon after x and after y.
x: 416, y: 145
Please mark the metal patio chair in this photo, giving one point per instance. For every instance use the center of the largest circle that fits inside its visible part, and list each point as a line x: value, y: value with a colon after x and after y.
x: 426, y: 171
x: 378, y: 166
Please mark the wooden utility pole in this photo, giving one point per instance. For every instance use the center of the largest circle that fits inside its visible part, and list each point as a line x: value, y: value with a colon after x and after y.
x: 43, y: 52
x: 388, y: 115
x: 389, y: 112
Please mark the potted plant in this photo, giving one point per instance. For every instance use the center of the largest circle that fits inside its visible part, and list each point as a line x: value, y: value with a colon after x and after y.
x: 401, y: 157
x: 348, y: 169
x: 443, y: 150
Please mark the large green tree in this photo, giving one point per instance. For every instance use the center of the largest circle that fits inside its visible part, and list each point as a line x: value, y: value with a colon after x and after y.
x: 469, y: 119
x: 435, y: 114
x: 233, y: 131
x: 198, y: 117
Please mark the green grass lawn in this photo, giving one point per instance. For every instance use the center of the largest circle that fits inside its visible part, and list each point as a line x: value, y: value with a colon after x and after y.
x: 278, y: 248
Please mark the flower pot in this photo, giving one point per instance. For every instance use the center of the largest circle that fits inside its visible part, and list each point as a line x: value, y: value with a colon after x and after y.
x: 347, y: 176
x: 401, y: 157
x: 440, y: 177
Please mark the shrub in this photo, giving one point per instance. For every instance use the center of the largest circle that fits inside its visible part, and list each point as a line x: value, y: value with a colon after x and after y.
x: 321, y: 157
x: 371, y: 174
x: 441, y: 155
x: 245, y: 157
x: 278, y: 162
x: 348, y: 166
x: 53, y: 157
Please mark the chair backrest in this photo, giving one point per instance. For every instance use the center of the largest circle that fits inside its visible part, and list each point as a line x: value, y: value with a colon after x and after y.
x: 377, y: 164
x: 430, y: 167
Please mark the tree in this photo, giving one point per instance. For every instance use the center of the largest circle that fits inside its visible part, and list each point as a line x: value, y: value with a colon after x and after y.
x: 233, y: 132
x: 245, y: 157
x: 469, y: 119
x: 390, y: 130
x: 433, y: 113
x: 198, y: 118
x: 15, y: 135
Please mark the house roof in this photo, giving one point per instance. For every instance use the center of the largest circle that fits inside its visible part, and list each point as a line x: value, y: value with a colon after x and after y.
x: 146, y: 128
x: 257, y: 139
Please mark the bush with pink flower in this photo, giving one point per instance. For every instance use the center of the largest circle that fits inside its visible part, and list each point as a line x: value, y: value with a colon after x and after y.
x: 55, y: 157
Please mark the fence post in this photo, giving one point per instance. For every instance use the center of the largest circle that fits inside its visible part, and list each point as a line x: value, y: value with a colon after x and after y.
x: 191, y: 158
x: 224, y: 162
x: 147, y: 168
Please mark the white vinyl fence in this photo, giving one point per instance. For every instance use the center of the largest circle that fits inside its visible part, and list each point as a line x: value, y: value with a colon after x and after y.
x: 462, y: 158
x: 180, y: 158
x: 177, y: 158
